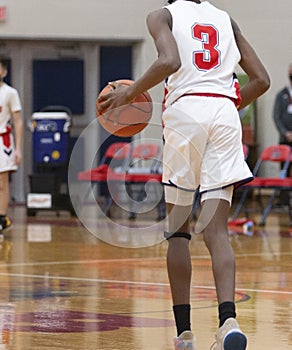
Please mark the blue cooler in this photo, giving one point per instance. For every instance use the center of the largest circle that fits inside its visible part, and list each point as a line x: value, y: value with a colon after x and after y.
x: 51, y: 147
x: 50, y: 138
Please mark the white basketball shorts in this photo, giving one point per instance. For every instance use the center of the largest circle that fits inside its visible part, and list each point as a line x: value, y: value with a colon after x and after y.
x: 203, y: 145
x: 7, y: 162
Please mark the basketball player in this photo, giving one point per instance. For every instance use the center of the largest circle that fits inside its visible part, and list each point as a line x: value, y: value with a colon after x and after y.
x: 10, y: 156
x: 282, y: 113
x: 198, y: 48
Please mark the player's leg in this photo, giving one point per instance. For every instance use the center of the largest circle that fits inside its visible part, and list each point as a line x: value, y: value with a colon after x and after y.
x: 223, y: 164
x: 186, y: 136
x: 213, y: 223
x: 5, y: 222
x: 179, y: 263
x: 178, y: 255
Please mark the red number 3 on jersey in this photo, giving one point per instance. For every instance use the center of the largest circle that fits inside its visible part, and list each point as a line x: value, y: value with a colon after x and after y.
x: 209, y: 56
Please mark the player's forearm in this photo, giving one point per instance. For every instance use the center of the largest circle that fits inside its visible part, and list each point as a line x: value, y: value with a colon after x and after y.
x: 18, y: 131
x: 252, y: 90
x: 156, y: 73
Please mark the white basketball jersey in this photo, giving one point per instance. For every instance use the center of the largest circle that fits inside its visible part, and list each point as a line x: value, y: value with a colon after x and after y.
x: 9, y: 103
x: 207, y: 49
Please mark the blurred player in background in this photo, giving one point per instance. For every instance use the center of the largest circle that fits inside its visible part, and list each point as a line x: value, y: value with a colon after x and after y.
x: 282, y: 115
x: 198, y: 49
x: 10, y: 155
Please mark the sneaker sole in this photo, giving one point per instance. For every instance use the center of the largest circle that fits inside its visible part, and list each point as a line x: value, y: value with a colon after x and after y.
x: 235, y: 341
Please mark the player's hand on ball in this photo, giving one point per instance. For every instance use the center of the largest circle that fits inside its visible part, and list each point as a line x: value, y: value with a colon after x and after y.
x: 119, y: 112
x: 114, y: 99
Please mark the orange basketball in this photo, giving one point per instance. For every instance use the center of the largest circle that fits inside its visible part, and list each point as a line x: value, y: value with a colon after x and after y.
x: 129, y: 120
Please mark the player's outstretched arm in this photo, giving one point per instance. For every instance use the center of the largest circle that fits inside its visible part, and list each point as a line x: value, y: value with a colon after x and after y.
x: 259, y: 81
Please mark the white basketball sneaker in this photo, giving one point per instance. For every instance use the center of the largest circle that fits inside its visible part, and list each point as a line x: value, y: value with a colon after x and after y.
x: 229, y: 337
x: 186, y: 341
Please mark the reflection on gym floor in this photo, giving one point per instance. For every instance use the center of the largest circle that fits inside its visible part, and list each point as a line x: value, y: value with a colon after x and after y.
x: 103, y: 285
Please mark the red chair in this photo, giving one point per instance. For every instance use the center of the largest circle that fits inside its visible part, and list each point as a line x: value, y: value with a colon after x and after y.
x: 144, y: 167
x: 112, y: 169
x: 280, y: 154
x: 118, y: 151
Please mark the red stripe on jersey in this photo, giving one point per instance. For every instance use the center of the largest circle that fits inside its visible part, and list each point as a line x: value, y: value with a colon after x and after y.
x: 6, y: 137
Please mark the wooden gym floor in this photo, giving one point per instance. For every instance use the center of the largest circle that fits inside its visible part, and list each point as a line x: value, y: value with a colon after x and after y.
x: 62, y: 287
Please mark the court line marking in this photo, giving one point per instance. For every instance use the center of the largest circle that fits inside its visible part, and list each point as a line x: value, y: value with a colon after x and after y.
x: 97, y: 280
x: 94, y: 261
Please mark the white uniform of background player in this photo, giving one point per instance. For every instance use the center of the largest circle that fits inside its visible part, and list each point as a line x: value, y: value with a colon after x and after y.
x: 9, y: 103
x: 10, y: 154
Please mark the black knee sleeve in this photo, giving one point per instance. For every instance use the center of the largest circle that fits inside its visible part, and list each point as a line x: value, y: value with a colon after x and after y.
x: 169, y: 235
